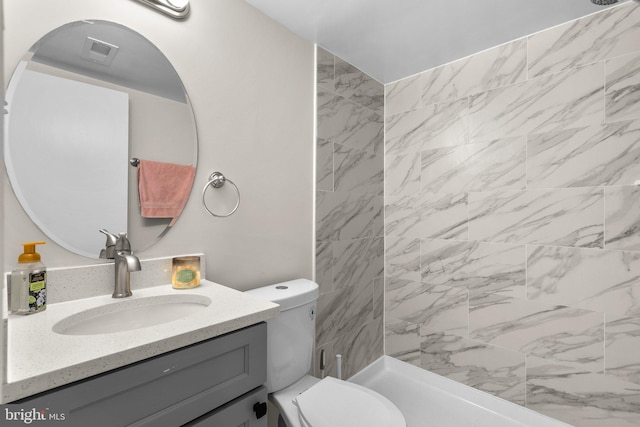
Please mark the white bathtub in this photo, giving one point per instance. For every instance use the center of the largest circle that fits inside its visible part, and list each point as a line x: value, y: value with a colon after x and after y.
x: 427, y: 399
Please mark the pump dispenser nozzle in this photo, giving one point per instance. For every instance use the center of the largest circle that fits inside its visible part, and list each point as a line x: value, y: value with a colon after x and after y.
x: 30, y: 254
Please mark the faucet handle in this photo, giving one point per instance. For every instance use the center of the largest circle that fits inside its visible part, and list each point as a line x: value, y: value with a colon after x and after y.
x: 123, y: 244
x: 109, y: 251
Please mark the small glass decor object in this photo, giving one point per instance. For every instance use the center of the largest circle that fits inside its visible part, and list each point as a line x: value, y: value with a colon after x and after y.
x: 186, y: 272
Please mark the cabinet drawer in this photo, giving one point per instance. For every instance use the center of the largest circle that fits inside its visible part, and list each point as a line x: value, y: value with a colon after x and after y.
x: 237, y: 413
x: 174, y: 387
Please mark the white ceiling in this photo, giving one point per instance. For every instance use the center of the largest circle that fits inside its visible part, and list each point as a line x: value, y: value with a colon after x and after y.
x: 393, y: 39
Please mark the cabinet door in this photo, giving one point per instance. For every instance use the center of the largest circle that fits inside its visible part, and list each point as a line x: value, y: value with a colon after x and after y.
x: 238, y: 413
x: 167, y: 390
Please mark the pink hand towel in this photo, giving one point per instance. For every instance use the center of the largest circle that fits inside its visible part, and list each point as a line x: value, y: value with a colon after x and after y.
x: 164, y: 188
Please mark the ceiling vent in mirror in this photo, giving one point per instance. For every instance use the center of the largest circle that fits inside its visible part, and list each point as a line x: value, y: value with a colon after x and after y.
x: 178, y: 9
x: 99, y: 52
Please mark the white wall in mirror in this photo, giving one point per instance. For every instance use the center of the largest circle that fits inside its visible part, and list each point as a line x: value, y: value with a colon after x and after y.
x: 85, y: 164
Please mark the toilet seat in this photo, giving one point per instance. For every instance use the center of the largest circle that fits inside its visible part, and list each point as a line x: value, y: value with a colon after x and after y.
x: 332, y: 402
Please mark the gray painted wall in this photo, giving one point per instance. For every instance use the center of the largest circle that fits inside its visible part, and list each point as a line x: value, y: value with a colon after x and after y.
x: 250, y: 82
x: 3, y: 331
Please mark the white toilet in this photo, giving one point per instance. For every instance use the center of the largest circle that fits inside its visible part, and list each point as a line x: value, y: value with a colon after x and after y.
x: 303, y: 400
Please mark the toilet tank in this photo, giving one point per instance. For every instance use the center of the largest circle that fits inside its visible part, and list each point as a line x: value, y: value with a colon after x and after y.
x: 291, y: 335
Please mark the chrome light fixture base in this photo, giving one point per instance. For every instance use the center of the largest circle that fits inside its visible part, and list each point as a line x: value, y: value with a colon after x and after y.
x: 178, y: 9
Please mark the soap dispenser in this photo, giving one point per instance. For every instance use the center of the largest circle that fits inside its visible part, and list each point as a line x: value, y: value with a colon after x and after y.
x: 29, y: 282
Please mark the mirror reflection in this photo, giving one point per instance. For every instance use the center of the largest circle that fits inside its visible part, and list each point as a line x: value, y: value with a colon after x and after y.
x: 86, y: 99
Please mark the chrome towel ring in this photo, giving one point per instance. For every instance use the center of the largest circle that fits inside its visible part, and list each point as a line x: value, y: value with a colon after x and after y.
x: 217, y: 180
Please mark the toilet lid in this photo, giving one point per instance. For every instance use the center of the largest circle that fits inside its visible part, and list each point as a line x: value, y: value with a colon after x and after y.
x: 332, y: 402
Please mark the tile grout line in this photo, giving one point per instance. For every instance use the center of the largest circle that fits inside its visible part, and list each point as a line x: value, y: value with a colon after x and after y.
x: 604, y: 187
x: 604, y: 344
x: 526, y: 376
x: 526, y: 298
x: 314, y: 168
x: 384, y: 222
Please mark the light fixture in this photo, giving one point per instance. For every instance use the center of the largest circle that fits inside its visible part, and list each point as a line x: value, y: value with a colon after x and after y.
x: 178, y: 9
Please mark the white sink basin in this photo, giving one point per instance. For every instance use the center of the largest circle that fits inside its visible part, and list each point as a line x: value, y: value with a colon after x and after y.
x: 130, y: 314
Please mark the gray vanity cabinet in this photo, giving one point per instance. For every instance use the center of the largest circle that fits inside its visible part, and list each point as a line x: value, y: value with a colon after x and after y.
x: 238, y: 413
x: 217, y: 382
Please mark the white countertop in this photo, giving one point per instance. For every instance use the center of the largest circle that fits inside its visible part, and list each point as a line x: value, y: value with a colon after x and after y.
x: 39, y: 359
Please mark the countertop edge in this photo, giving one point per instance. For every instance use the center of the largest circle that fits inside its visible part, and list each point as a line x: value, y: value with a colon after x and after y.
x: 40, y: 383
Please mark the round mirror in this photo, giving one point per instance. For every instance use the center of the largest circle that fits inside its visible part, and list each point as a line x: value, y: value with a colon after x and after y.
x: 88, y: 101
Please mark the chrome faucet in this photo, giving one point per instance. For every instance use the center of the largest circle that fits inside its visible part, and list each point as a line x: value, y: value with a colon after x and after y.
x: 118, y: 248
x: 108, y: 252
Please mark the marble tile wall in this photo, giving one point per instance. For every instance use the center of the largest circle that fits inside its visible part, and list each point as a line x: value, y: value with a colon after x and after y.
x: 512, y: 220
x: 349, y: 215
